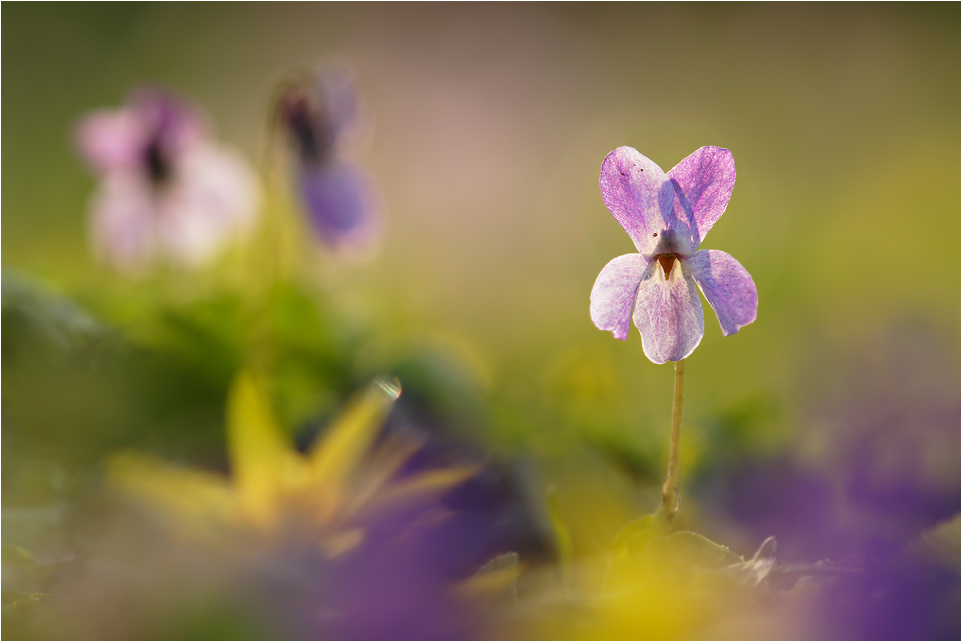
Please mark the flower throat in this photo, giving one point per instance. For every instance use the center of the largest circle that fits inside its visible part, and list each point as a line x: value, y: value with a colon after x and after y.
x: 667, y: 262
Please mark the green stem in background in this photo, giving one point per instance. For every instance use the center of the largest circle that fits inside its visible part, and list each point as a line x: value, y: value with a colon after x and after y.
x: 562, y: 539
x: 669, y: 492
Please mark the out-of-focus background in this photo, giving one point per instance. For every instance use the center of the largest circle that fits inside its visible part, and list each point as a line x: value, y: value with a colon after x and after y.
x: 832, y: 422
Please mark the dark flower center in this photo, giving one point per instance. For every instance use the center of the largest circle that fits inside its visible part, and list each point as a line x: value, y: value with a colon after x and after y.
x: 158, y: 164
x: 667, y: 261
x: 306, y: 124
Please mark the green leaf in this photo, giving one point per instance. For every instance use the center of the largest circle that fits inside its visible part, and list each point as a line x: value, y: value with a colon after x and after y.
x: 562, y: 538
x: 17, y: 556
x: 50, y: 317
x: 636, y: 534
x: 22, y: 573
x: 693, y: 551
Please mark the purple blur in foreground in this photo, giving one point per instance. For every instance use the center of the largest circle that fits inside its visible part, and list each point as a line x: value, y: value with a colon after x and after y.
x: 166, y: 191
x: 319, y: 114
x: 667, y: 216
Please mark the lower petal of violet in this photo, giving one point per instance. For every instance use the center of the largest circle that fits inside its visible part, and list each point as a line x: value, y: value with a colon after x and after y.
x: 122, y: 222
x: 727, y: 286
x: 668, y: 315
x: 614, y: 292
x: 342, y: 205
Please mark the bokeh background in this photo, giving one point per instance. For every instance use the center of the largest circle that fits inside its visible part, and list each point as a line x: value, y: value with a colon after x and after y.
x: 832, y: 422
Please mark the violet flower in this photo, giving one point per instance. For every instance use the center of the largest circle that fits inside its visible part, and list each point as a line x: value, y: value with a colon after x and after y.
x: 167, y: 192
x: 667, y: 216
x: 319, y: 114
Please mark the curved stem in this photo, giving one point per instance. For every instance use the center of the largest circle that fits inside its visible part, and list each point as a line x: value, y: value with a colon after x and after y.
x: 669, y: 491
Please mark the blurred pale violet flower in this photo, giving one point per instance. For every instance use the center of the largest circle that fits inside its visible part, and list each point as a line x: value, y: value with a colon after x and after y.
x: 667, y: 216
x: 320, y: 115
x: 167, y: 192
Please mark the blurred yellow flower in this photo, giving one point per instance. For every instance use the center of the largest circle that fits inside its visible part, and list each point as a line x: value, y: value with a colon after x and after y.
x: 275, y: 490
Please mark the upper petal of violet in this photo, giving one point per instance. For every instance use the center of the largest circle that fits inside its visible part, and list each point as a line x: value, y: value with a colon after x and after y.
x: 727, y: 286
x: 337, y: 99
x: 614, y: 293
x: 174, y: 125
x: 703, y: 185
x: 640, y: 197
x: 668, y: 314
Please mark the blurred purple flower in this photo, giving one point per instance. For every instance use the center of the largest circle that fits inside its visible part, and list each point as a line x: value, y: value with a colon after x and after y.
x: 910, y: 595
x: 667, y: 216
x: 887, y: 411
x: 319, y: 114
x: 167, y: 191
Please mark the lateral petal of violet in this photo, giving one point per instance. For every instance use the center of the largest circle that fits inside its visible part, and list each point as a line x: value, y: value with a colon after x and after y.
x: 728, y: 287
x: 111, y: 139
x: 214, y: 201
x: 614, y: 293
x: 638, y: 194
x: 703, y: 185
x: 343, y: 205
x: 668, y: 314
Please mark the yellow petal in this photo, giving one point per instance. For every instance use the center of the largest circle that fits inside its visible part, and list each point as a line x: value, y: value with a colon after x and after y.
x: 335, y: 455
x: 497, y: 578
x: 263, y: 462
x: 341, y: 542
x: 195, y: 499
x: 384, y: 464
x: 418, y: 489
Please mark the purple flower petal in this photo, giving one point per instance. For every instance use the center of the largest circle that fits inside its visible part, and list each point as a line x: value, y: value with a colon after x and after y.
x: 614, y: 293
x: 111, y: 139
x: 213, y: 200
x: 640, y: 197
x: 174, y: 125
x: 152, y: 126
x: 727, y: 286
x: 122, y: 219
x: 668, y: 314
x: 167, y: 192
x: 337, y: 98
x: 703, y: 185
x: 343, y: 206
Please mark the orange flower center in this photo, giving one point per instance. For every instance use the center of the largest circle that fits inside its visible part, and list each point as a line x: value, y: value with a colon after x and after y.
x: 667, y: 261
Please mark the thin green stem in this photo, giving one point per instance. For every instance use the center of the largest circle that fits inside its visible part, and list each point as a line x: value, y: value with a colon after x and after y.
x: 669, y: 492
